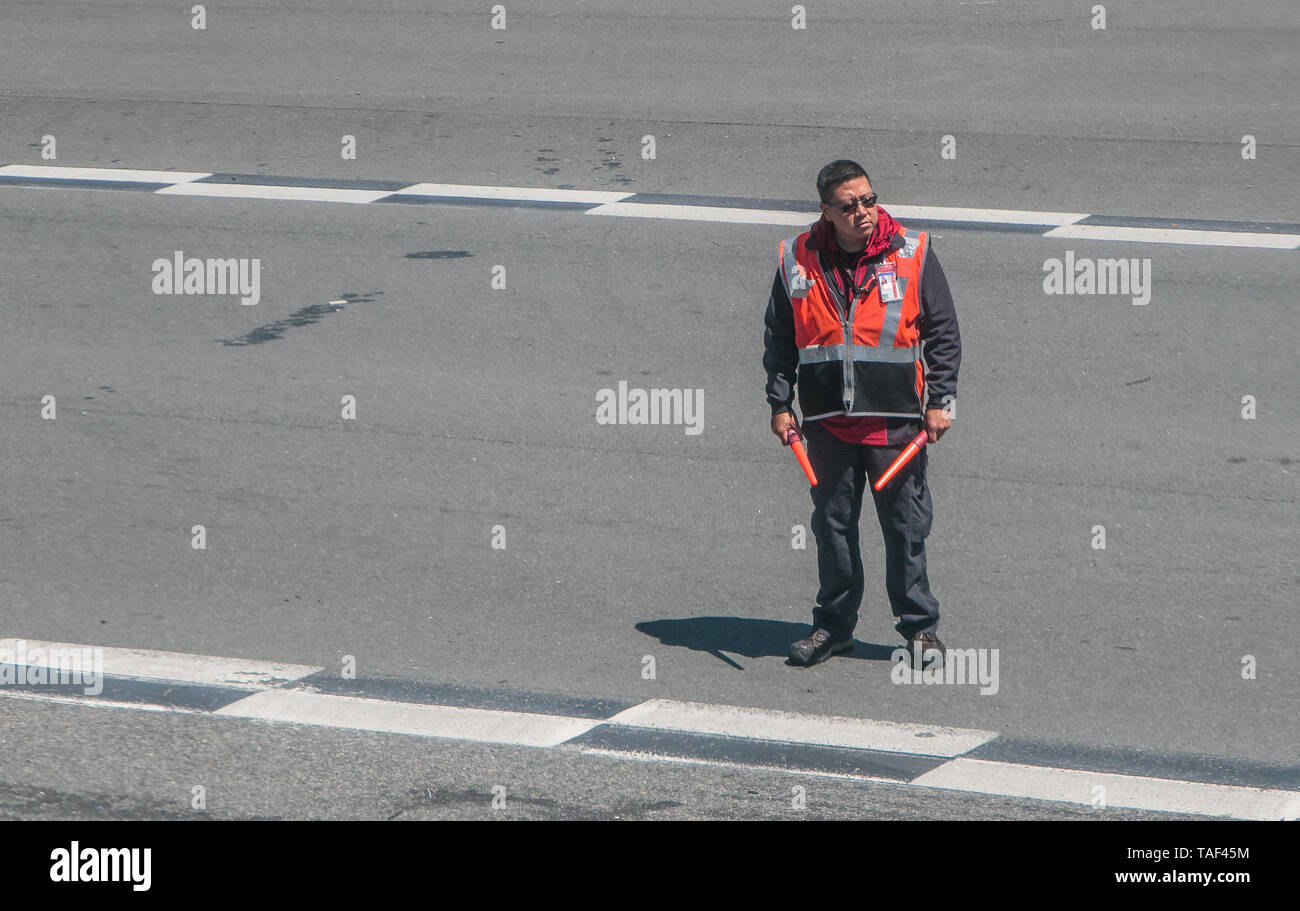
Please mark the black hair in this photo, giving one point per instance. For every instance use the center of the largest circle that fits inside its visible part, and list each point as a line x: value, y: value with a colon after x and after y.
x: 835, y: 173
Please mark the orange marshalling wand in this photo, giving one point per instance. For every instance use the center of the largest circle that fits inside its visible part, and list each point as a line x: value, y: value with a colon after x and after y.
x: 903, y: 458
x: 792, y: 436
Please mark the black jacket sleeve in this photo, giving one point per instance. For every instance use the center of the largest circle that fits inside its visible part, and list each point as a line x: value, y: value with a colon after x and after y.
x: 780, y: 356
x: 939, y: 333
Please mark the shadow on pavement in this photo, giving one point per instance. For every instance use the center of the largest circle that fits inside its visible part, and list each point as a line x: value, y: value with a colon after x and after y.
x: 745, y: 636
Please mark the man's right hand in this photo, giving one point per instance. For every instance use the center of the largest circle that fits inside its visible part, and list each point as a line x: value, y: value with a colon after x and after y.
x: 782, y: 423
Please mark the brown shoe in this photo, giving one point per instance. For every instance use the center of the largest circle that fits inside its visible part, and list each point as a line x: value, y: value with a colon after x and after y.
x: 819, y: 646
x: 930, y: 650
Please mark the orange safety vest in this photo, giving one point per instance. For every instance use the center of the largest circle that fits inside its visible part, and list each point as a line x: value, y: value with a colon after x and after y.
x: 862, y: 359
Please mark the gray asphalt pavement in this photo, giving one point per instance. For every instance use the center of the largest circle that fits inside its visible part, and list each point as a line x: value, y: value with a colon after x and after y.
x: 251, y: 771
x: 373, y: 537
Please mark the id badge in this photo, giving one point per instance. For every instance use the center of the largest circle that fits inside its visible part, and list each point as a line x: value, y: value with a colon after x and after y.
x: 888, y: 282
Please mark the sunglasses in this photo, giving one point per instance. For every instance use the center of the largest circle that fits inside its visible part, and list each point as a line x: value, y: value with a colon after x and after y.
x: 866, y: 201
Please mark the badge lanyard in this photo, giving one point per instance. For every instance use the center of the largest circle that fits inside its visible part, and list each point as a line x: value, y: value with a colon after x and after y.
x: 886, y: 276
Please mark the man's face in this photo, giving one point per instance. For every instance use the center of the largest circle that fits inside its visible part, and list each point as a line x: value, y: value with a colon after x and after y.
x: 856, y: 226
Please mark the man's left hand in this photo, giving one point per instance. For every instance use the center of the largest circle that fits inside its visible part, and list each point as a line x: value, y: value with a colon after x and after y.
x: 937, y: 420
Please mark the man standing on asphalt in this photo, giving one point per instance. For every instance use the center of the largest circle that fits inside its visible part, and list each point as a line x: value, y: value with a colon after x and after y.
x: 861, y: 316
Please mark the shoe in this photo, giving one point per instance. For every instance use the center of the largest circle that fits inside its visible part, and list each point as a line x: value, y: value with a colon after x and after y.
x: 819, y: 646
x: 926, y: 644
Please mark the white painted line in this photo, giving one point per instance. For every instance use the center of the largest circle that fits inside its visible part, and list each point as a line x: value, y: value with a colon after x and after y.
x: 95, y: 702
x: 107, y: 174
x: 259, y: 191
x: 725, y: 764
x: 534, y: 194
x: 480, y: 725
x: 987, y: 216
x: 705, y: 213
x: 792, y: 727
x: 1131, y: 791
x: 121, y: 175
x: 1061, y: 224
x: 1177, y: 236
x: 781, y: 217
x: 178, y: 667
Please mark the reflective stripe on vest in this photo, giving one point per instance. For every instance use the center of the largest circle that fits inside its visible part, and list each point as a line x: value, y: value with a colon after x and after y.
x: 792, y: 274
x: 867, y: 354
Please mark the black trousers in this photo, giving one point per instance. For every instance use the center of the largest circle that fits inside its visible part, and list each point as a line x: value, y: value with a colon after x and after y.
x: 904, y: 509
